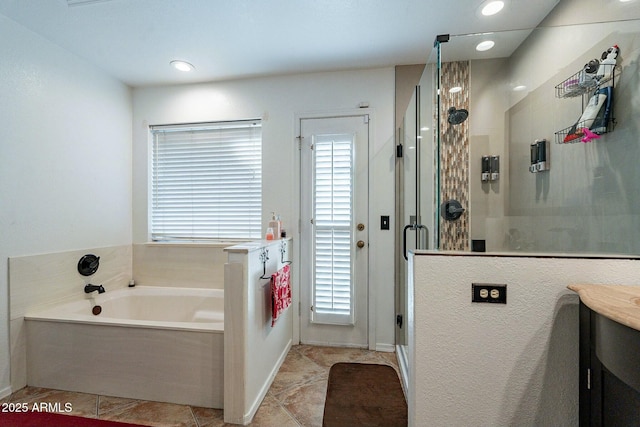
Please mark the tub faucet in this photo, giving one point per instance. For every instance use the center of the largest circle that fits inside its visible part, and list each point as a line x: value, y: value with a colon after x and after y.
x: 90, y: 288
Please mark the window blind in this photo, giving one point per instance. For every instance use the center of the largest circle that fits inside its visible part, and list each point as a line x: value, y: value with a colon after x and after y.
x: 333, y: 193
x: 206, y: 181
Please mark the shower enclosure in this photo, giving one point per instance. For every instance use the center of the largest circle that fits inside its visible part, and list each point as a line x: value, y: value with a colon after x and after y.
x: 482, y: 158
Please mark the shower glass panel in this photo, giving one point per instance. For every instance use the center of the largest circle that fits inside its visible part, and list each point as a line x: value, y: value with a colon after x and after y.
x: 417, y: 179
x: 583, y: 200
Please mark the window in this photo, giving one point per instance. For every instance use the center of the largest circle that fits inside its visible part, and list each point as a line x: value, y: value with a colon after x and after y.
x: 333, y: 194
x: 206, y: 181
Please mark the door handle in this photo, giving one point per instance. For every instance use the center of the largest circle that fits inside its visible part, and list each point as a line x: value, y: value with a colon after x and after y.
x: 404, y: 239
x: 360, y: 244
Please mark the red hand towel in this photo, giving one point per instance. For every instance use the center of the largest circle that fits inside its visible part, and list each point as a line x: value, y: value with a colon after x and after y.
x: 280, y: 292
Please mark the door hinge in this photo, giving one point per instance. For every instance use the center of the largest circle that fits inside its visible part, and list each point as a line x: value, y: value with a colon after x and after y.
x: 299, y: 138
x: 311, y: 221
x: 588, y: 378
x: 399, y: 320
x: 311, y: 308
x: 399, y: 150
x: 299, y: 308
x: 366, y: 118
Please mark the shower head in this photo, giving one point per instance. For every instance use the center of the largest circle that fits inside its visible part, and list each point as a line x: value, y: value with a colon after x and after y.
x: 457, y: 116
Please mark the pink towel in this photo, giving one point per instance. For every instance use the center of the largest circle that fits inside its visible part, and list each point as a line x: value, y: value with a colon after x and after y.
x: 280, y: 292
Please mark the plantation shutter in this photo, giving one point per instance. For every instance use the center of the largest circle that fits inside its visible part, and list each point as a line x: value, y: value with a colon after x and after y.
x: 207, y: 181
x: 332, y: 222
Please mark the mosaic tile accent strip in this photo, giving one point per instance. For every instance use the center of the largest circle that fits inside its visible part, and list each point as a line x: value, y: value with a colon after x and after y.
x: 454, y: 155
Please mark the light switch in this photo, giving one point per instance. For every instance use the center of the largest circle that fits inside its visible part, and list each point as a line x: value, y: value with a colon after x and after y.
x: 384, y: 222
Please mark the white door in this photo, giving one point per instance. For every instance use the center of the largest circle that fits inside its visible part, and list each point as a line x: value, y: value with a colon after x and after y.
x: 334, y: 231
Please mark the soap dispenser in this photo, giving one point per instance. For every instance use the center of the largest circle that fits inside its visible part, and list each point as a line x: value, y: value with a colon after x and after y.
x: 274, y: 224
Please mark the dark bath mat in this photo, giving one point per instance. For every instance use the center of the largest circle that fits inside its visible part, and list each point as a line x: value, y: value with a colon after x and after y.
x: 362, y: 394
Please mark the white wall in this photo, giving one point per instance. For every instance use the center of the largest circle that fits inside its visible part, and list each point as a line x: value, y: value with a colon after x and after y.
x: 180, y: 265
x: 493, y: 364
x: 583, y: 204
x: 254, y: 348
x: 65, y: 152
x: 586, y: 202
x: 277, y: 100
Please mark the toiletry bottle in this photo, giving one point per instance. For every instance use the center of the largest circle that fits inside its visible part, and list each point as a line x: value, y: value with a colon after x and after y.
x: 279, y: 235
x: 269, y: 234
x: 274, y: 224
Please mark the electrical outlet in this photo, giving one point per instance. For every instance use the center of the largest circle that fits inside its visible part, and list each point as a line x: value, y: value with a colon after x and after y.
x: 489, y: 292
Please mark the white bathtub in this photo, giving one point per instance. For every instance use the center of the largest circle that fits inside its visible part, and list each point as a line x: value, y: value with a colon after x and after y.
x: 150, y: 343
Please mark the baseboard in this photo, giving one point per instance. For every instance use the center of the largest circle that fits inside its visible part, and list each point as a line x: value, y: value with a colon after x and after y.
x: 403, y: 366
x: 265, y: 387
x: 333, y: 344
x: 388, y: 348
x: 5, y: 392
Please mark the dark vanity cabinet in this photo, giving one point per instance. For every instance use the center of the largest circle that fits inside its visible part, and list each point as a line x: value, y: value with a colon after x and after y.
x: 609, y: 371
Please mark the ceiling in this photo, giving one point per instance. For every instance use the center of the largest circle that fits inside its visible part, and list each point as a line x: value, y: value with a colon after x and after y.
x: 134, y: 40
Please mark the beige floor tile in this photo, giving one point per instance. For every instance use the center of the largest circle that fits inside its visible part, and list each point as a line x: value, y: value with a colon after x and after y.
x: 156, y: 414
x: 295, y: 371
x: 327, y: 356
x: 295, y: 399
x: 390, y: 358
x: 272, y: 414
x: 28, y: 393
x: 306, y: 403
x: 208, y: 417
x: 111, y: 404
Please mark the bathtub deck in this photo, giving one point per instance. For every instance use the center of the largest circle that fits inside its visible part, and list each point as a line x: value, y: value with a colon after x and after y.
x: 296, y: 397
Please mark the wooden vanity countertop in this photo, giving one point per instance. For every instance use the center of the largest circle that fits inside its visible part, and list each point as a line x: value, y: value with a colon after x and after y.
x: 619, y: 303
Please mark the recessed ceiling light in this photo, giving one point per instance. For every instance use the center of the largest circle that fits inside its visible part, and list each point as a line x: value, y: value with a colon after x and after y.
x: 492, y: 8
x: 182, y: 66
x: 519, y: 88
x: 485, y: 45
x: 455, y: 89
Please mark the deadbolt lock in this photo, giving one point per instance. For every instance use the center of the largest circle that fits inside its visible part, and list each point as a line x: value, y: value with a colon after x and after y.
x: 360, y: 227
x: 360, y: 244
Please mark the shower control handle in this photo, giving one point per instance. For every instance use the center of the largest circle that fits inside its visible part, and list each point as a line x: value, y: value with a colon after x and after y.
x: 451, y: 210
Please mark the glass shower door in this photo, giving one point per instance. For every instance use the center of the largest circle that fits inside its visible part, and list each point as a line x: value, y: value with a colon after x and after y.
x: 417, y: 183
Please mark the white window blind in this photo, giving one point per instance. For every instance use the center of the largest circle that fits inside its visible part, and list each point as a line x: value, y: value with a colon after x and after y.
x: 332, y: 222
x: 207, y: 181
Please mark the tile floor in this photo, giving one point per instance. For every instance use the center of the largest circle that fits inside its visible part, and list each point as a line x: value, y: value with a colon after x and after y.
x: 296, y: 397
